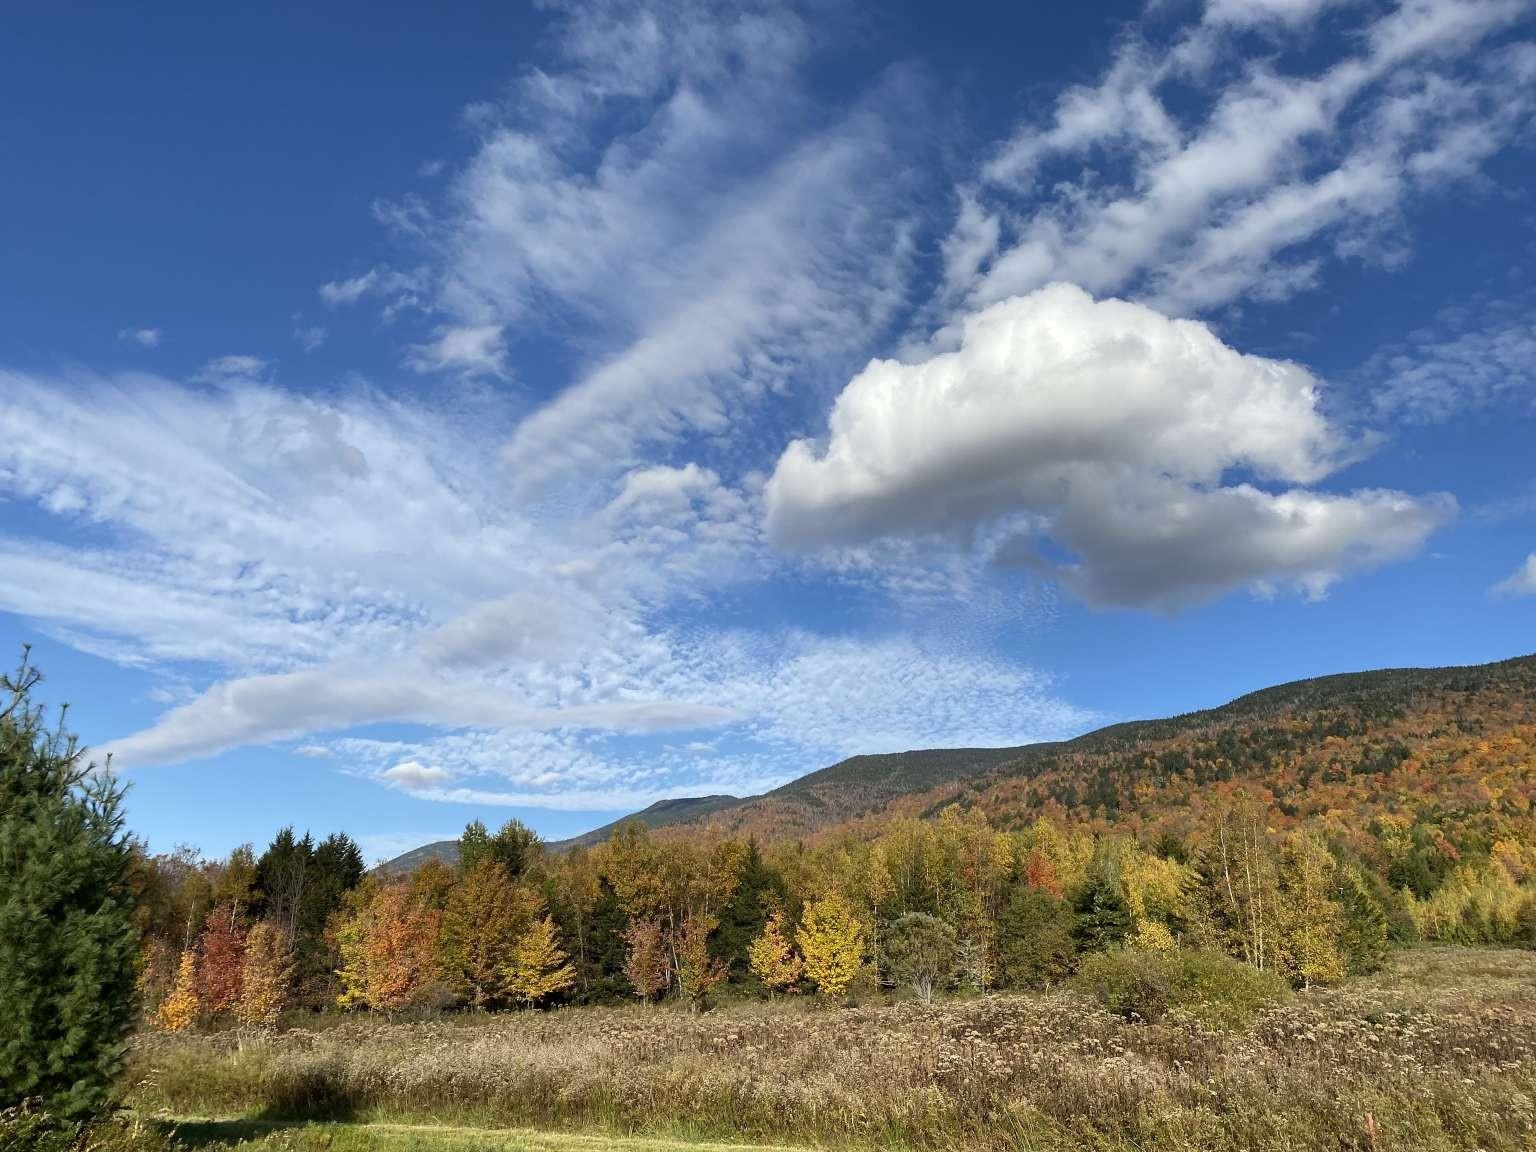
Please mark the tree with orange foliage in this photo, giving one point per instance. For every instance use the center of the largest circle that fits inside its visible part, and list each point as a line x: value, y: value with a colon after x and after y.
x: 1040, y: 873
x: 388, y: 949
x: 221, y: 951
x: 646, y: 963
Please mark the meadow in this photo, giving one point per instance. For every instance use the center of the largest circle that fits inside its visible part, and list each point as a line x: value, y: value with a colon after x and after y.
x: 1437, y: 1051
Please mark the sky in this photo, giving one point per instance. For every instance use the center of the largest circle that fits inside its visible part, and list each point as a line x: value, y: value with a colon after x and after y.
x: 413, y: 414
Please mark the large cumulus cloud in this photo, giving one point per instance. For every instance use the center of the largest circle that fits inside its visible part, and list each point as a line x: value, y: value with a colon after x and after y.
x: 1135, y: 458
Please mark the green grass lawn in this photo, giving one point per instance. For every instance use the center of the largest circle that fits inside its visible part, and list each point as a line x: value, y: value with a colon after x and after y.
x: 276, y: 1136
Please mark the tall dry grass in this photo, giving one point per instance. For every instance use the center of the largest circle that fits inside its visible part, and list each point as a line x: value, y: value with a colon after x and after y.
x: 1440, y: 1051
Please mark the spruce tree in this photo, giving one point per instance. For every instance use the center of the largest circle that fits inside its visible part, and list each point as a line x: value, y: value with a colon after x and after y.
x: 67, y: 934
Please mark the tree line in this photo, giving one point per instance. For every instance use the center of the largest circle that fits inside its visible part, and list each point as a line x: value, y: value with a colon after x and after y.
x: 931, y: 905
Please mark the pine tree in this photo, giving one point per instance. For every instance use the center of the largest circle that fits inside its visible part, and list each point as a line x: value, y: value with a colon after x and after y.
x: 1102, y: 916
x: 266, y: 978
x: 179, y: 1010
x: 68, y: 940
x: 538, y: 968
x: 1036, y: 938
x: 832, y: 942
x: 1364, y: 931
x: 773, y: 957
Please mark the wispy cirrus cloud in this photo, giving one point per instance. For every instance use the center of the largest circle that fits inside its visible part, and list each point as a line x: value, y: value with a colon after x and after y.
x: 729, y: 236
x: 1248, y: 190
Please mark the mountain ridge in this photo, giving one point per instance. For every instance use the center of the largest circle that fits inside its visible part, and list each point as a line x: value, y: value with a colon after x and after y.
x: 1306, y: 742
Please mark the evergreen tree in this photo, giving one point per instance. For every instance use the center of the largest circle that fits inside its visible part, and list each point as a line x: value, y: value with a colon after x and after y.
x: 1103, y: 919
x: 474, y: 844
x: 742, y: 919
x: 1036, y: 938
x: 1363, y: 934
x: 515, y: 847
x: 68, y: 939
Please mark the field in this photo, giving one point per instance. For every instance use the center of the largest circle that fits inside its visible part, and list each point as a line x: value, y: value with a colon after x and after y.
x: 1437, y: 1052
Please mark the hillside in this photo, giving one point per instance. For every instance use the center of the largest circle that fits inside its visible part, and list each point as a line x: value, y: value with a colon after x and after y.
x: 661, y: 814
x: 1460, y: 741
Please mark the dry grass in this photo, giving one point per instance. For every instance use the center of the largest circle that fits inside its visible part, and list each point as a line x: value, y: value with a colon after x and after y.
x: 1441, y: 1050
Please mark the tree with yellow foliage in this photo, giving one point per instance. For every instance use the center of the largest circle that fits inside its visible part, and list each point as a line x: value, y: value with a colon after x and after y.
x: 697, y: 970
x: 179, y: 1010
x: 1308, y: 920
x: 486, y: 914
x: 539, y: 968
x: 266, y: 978
x: 832, y: 942
x: 773, y: 958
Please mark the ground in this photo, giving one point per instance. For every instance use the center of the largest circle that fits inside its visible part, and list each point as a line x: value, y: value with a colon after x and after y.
x: 286, y: 1136
x: 1435, y: 1054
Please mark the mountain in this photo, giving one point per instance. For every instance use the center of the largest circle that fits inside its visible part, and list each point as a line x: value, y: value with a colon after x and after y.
x: 659, y: 815
x: 1459, y: 741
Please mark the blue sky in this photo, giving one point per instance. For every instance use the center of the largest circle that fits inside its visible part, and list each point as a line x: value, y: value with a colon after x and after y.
x: 410, y: 416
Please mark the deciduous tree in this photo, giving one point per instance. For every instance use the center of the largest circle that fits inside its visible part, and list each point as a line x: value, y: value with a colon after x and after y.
x: 773, y: 957
x: 180, y: 1009
x: 538, y: 968
x: 266, y: 978
x: 832, y: 942
x: 646, y: 963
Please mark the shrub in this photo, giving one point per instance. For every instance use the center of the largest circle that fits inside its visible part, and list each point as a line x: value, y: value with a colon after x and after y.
x: 920, y: 952
x: 27, y: 1128
x: 1205, y: 986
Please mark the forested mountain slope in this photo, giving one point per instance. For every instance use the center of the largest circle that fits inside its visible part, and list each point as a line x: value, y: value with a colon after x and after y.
x: 1457, y: 745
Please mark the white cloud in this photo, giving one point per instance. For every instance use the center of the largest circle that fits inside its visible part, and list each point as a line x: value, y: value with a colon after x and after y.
x: 399, y: 289
x: 1108, y: 430
x: 802, y: 700
x: 411, y: 776
x: 232, y: 369
x: 1245, y: 190
x: 1259, y: 12
x: 469, y: 350
x: 344, y: 561
x: 144, y: 337
x: 1522, y: 582
x: 350, y: 290
x: 1470, y: 358
x: 310, y: 336
x: 724, y: 239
